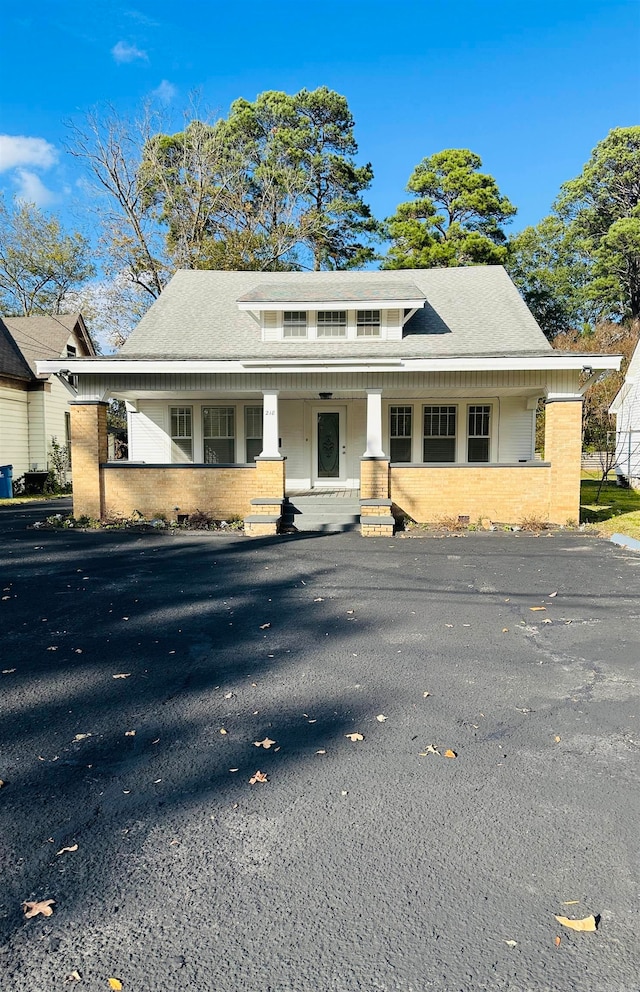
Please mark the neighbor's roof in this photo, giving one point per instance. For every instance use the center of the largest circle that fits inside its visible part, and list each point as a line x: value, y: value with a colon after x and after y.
x: 43, y: 337
x: 475, y: 310
x: 12, y: 363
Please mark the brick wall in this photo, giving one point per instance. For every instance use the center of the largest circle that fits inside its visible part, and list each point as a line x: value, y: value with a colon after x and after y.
x: 89, y: 447
x: 562, y: 447
x: 374, y: 478
x: 506, y: 494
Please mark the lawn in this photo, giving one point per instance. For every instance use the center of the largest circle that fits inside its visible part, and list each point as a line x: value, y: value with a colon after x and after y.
x: 617, y: 510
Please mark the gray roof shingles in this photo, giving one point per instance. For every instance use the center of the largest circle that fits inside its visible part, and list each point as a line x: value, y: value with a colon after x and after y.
x: 468, y: 311
x: 40, y: 337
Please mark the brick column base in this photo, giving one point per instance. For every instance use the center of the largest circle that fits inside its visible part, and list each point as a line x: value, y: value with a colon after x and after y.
x: 374, y: 478
x: 267, y: 502
x: 563, y: 447
x: 88, y: 451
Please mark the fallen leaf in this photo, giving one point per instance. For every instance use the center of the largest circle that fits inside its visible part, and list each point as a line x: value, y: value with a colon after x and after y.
x: 321, y: 752
x: 344, y: 792
x: 223, y: 731
x: 557, y: 740
x: 547, y: 620
x: 571, y: 902
x: 264, y: 626
x: 157, y: 741
x: 121, y: 675
x: 228, y: 695
x: 355, y: 737
x: 505, y: 630
x: 588, y: 924
x: 8, y: 671
x: 115, y: 984
x: 1, y: 783
x: 430, y: 749
x: 537, y: 609
x: 448, y: 625
x: 74, y: 847
x: 319, y: 600
x: 34, y: 908
x: 258, y: 777
x: 73, y: 977
x: 350, y: 611
x: 450, y: 754
x: 425, y: 694
x: 81, y: 737
x: 266, y: 743
x: 233, y: 769
x: 129, y: 733
x: 552, y: 595
x: 381, y: 718
x: 511, y: 943
x: 557, y: 941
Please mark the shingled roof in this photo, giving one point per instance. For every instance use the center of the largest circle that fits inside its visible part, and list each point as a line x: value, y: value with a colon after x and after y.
x: 475, y: 310
x: 41, y: 337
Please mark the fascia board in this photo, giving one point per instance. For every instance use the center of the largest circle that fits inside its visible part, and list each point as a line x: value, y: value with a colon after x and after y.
x: 287, y: 305
x: 142, y: 366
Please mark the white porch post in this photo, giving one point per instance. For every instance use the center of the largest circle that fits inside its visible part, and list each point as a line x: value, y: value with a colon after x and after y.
x: 374, y: 424
x: 270, y: 430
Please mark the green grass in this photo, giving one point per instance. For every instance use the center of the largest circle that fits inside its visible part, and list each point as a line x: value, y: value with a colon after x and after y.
x: 38, y: 497
x: 617, y: 511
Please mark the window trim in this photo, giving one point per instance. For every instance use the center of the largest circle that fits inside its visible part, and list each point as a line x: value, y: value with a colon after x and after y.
x: 408, y: 411
x: 176, y: 438
x: 364, y: 321
x: 453, y: 409
x: 229, y: 407
x: 247, y: 436
x: 488, y: 407
x: 289, y: 322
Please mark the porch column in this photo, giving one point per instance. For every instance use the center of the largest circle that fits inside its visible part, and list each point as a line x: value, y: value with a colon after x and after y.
x: 562, y: 448
x: 88, y: 452
x: 270, y: 429
x: 374, y: 424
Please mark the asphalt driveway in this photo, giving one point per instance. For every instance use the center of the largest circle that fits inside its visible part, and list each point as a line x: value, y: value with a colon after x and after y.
x: 138, y: 673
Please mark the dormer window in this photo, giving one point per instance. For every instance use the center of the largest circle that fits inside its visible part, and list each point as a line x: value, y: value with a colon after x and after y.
x: 71, y: 351
x: 368, y: 324
x: 295, y: 324
x: 332, y: 324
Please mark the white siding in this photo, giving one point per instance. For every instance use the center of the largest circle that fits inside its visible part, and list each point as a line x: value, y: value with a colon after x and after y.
x: 271, y: 326
x: 393, y: 320
x: 628, y: 435
x: 56, y: 405
x: 37, y: 428
x: 295, y: 425
x: 14, y: 431
x: 515, y: 427
x: 149, y: 440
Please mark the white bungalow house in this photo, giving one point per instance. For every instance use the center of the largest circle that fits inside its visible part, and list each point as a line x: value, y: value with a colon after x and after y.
x: 626, y: 407
x: 34, y: 407
x: 254, y: 393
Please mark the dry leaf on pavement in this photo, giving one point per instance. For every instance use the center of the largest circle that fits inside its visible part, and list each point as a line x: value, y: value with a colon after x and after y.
x: 263, y: 626
x: 74, y: 847
x: 587, y: 925
x: 552, y: 595
x: 129, y: 733
x: 81, y: 737
x: 258, y: 777
x: 430, y: 749
x: 450, y: 754
x: 355, y: 737
x: 121, y: 675
x: 34, y: 908
x: 223, y: 731
x: 381, y: 718
x: 115, y: 984
x: 511, y: 943
x: 75, y: 976
x: 537, y: 609
x: 571, y: 902
x: 425, y: 694
x: 266, y: 743
x: 1, y: 783
x: 321, y: 752
x: 557, y: 941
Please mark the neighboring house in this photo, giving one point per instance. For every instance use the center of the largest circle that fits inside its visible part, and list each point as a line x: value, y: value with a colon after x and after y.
x: 626, y: 407
x: 34, y: 407
x: 416, y: 391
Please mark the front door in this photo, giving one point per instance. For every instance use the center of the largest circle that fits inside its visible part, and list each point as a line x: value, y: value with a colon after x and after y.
x: 329, y: 448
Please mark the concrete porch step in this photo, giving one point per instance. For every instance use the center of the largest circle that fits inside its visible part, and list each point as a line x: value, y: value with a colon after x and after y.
x: 322, y: 512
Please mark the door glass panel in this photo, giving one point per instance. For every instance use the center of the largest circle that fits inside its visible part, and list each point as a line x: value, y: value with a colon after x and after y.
x: 328, y: 445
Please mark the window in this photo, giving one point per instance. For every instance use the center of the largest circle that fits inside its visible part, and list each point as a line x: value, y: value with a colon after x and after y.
x: 67, y: 435
x: 71, y: 351
x: 439, y: 434
x: 219, y: 432
x: 295, y: 324
x: 182, y: 431
x: 368, y: 324
x: 400, y: 433
x: 478, y: 436
x: 252, y: 432
x: 332, y: 324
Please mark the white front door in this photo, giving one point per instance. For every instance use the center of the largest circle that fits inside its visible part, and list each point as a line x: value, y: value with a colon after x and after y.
x: 329, y: 446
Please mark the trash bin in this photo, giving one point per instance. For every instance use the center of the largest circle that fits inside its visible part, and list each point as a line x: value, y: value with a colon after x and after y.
x: 6, y: 481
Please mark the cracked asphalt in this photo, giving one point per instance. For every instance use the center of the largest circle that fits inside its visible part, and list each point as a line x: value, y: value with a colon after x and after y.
x: 370, y: 865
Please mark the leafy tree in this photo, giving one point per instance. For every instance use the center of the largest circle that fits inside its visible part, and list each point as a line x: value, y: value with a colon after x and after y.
x: 40, y: 264
x: 274, y: 185
x: 455, y: 219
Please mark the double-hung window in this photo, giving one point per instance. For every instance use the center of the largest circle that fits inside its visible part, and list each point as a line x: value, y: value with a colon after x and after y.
x: 252, y: 432
x: 218, y: 432
x: 478, y: 437
x: 294, y: 324
x: 400, y: 418
x: 368, y: 324
x: 332, y: 324
x: 181, y: 433
x: 439, y: 437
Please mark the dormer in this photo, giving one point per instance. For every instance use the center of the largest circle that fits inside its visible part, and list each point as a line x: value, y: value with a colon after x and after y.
x: 305, y: 311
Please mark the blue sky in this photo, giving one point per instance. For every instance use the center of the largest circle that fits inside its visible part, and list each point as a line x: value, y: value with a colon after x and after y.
x: 530, y: 86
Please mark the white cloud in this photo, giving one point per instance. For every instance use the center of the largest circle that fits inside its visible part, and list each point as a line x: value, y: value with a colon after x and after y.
x: 122, y: 52
x: 31, y: 189
x: 18, y: 150
x: 165, y: 92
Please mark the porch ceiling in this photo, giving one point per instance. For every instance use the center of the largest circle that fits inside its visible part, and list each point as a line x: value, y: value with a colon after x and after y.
x: 336, y: 395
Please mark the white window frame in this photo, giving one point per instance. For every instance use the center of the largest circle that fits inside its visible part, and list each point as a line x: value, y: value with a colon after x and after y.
x: 181, y: 411
x: 331, y: 324
x: 293, y: 323
x: 407, y: 409
x: 487, y: 412
x: 367, y: 324
x: 230, y: 410
x: 252, y: 437
x: 442, y: 405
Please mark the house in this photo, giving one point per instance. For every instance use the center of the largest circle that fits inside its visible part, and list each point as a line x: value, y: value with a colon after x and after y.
x: 412, y: 391
x: 34, y: 407
x: 626, y: 407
